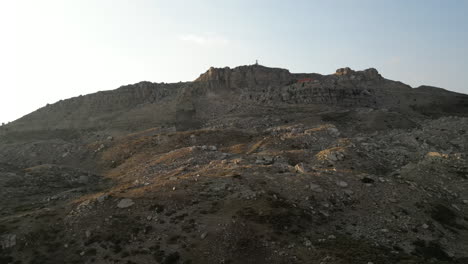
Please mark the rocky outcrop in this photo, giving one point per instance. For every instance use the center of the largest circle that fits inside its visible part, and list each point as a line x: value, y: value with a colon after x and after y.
x: 368, y: 74
x: 344, y: 88
x: 246, y: 76
x: 185, y: 112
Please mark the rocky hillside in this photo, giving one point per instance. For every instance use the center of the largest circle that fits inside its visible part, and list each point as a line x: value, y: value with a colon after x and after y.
x: 244, y: 165
x: 220, y: 91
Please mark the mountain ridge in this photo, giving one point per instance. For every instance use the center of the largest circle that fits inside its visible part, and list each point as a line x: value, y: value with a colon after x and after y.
x: 256, y: 83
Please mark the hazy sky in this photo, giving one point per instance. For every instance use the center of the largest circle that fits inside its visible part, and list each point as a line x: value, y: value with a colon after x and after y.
x: 52, y: 50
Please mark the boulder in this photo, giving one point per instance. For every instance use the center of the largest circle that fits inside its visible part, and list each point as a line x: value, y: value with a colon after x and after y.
x: 315, y: 188
x: 213, y: 148
x: 333, y: 131
x: 125, y: 203
x: 342, y: 184
x: 300, y: 168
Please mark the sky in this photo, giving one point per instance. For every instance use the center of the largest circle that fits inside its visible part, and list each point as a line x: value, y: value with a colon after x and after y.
x: 57, y: 49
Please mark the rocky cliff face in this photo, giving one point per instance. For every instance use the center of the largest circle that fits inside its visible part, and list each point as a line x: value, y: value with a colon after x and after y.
x: 246, y: 76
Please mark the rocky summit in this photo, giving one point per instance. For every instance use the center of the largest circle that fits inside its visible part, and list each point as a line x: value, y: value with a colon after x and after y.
x: 245, y: 165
